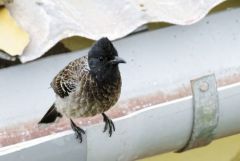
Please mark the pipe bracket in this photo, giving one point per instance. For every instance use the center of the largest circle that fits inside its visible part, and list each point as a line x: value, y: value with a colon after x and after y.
x: 205, y: 112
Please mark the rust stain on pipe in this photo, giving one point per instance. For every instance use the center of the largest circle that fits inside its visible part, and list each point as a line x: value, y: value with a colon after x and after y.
x: 30, y: 130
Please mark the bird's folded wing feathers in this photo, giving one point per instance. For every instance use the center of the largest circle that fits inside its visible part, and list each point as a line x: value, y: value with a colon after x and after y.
x: 67, y: 79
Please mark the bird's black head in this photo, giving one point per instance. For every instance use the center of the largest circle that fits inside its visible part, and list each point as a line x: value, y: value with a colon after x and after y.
x: 103, y: 60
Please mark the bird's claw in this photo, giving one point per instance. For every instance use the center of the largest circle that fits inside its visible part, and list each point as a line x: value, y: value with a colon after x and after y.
x: 109, y: 125
x: 78, y: 131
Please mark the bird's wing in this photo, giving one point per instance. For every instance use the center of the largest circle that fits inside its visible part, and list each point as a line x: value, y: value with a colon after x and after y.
x: 67, y: 79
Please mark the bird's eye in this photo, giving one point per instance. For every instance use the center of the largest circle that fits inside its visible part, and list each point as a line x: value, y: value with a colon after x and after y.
x: 100, y: 58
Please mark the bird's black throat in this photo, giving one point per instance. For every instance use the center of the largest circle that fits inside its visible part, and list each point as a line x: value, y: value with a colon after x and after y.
x: 106, y: 76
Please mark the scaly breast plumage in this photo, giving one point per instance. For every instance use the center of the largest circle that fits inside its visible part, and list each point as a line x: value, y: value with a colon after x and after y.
x: 90, y: 100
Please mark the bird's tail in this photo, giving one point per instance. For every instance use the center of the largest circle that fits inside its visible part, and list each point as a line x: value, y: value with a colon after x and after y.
x: 50, y: 116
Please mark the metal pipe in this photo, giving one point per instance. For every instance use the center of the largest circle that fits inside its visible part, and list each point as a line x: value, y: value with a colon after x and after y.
x: 158, y: 129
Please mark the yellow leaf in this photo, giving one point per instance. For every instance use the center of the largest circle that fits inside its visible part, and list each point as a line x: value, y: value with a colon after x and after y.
x: 226, y: 149
x: 13, y: 39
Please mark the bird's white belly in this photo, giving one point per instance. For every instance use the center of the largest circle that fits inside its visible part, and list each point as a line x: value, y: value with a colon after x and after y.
x: 69, y: 106
x: 74, y: 107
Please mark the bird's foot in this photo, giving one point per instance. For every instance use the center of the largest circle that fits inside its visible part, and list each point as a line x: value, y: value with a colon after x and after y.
x: 109, y: 125
x: 78, y: 131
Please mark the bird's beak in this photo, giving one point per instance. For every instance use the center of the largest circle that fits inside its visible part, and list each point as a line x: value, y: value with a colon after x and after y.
x: 117, y: 60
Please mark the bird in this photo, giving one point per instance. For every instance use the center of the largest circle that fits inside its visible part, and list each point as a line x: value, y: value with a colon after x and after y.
x: 87, y: 86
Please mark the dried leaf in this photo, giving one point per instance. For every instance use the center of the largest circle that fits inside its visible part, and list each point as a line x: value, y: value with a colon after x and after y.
x: 49, y: 21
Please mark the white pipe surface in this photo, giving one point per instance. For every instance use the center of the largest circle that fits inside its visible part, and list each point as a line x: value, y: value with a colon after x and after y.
x: 158, y: 61
x: 159, y: 129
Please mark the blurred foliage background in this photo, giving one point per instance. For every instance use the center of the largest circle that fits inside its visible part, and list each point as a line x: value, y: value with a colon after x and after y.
x: 226, y: 149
